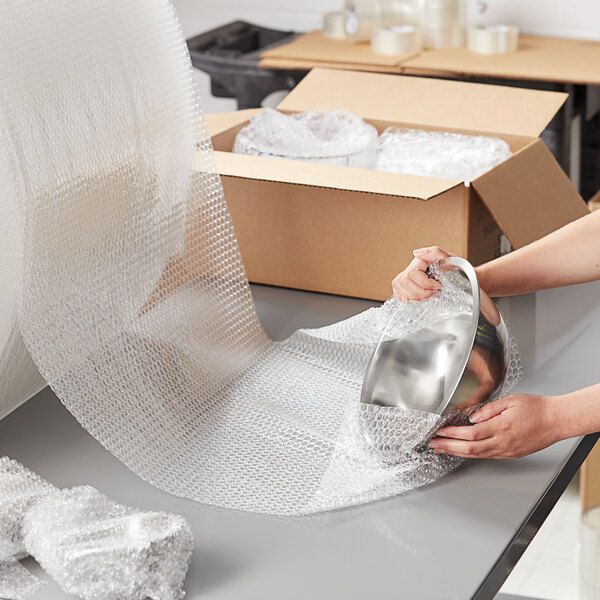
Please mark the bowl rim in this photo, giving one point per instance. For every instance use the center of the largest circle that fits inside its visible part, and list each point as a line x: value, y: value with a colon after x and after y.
x: 468, y: 270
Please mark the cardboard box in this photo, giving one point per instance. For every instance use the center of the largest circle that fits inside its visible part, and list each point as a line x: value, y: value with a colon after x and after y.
x: 349, y: 231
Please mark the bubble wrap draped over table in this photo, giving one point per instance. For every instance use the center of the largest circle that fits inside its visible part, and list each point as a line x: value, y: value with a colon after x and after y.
x: 131, y: 293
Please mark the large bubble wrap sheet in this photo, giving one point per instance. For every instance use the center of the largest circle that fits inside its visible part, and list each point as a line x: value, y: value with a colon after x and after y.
x: 130, y: 291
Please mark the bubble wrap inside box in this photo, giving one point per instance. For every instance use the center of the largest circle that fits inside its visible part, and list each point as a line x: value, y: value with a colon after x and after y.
x: 100, y: 550
x: 439, y: 153
x: 327, y: 136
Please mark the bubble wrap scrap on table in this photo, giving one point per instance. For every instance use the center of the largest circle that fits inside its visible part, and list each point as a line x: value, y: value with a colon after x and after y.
x: 320, y: 136
x: 135, y: 304
x: 439, y: 153
x: 20, y: 489
x: 100, y: 550
x: 16, y: 582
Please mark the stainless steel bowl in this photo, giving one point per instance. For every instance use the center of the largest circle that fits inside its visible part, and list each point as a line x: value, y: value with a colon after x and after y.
x: 456, y: 363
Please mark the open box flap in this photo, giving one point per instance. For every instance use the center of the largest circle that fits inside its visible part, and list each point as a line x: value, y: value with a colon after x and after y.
x: 430, y: 102
x: 529, y: 195
x: 219, y: 122
x: 331, y: 176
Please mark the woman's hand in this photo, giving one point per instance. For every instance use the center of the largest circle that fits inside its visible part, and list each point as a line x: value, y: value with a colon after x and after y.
x: 511, y: 427
x: 413, y: 283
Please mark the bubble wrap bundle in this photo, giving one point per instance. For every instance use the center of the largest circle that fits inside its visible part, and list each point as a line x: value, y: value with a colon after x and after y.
x: 439, y: 153
x: 16, y: 582
x: 97, y: 549
x: 20, y: 489
x: 93, y: 547
x: 132, y: 297
x: 327, y: 136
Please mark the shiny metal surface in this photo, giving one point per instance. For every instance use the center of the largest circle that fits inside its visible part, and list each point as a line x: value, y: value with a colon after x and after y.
x: 453, y: 364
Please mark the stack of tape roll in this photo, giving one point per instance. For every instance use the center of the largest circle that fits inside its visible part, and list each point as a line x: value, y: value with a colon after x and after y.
x: 362, y: 17
x: 443, y: 23
x: 493, y: 39
x: 396, y: 39
x: 333, y: 25
x: 449, y: 37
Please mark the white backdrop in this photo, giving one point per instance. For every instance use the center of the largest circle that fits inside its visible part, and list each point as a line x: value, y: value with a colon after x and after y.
x: 570, y: 18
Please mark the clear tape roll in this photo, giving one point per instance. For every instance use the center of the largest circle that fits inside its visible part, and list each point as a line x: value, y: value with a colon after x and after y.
x: 448, y: 37
x: 333, y: 25
x: 361, y: 17
x: 493, y: 39
x: 441, y: 14
x: 396, y: 39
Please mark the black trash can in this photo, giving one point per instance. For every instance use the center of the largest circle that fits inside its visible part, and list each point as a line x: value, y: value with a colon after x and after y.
x: 230, y: 55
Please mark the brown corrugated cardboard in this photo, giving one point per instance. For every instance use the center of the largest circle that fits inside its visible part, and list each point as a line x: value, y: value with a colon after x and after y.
x: 537, y: 59
x: 330, y: 176
x: 315, y: 46
x: 218, y: 122
x: 507, y: 191
x: 417, y: 100
x: 349, y: 231
x: 300, y: 64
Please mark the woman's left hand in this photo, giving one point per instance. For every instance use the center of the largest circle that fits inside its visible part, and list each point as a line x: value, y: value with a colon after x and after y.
x: 511, y: 427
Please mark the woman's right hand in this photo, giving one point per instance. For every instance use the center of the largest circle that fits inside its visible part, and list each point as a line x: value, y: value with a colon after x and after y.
x: 413, y: 283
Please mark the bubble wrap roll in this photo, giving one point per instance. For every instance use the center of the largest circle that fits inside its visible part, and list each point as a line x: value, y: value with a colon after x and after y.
x: 132, y: 297
x: 98, y: 549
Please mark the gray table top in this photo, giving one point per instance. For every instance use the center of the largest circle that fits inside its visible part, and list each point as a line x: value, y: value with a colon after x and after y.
x: 455, y: 539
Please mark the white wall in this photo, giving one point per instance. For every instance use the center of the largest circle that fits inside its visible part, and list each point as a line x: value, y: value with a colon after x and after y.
x: 304, y: 15
x: 561, y: 18
x: 568, y: 18
x: 571, y: 18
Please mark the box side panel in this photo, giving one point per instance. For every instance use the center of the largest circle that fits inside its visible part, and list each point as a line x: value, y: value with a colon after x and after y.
x: 298, y: 172
x: 219, y: 122
x: 223, y: 141
x: 339, y: 242
x: 484, y: 233
x: 530, y: 195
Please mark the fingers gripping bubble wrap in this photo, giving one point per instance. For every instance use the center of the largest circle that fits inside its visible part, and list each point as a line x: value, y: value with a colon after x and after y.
x: 131, y: 294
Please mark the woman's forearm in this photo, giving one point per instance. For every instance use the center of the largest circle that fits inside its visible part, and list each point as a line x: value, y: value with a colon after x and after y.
x: 577, y: 413
x: 567, y: 256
